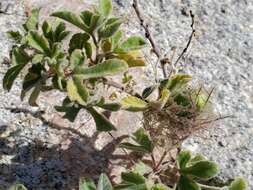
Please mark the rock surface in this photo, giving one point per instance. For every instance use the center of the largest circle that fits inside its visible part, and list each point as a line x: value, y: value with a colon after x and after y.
x: 220, y: 56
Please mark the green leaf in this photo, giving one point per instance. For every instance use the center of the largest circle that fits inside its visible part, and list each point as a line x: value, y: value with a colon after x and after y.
x: 131, y: 187
x: 135, y: 148
x: 14, y: 35
x: 132, y: 178
x: 88, y: 49
x: 182, y: 100
x: 183, y: 158
x: 202, y: 169
x: 160, y: 187
x: 148, y: 91
x: 32, y: 79
x: 105, y: 7
x: 142, y: 168
x: 115, y: 39
x: 110, y: 106
x: 141, y: 137
x: 77, y: 91
x: 201, y: 101
x: 102, y: 123
x: 196, y: 158
x: 18, y: 58
x: 86, y: 184
x: 110, y: 28
x: 178, y: 81
x: 95, y: 22
x: 38, y: 42
x: 33, y: 21
x: 10, y: 76
x: 86, y: 17
x: 134, y: 104
x: 76, y: 58
x: 78, y: 41
x: 133, y: 43
x: 71, y: 18
x: 104, y: 183
x: 18, y: 187
x: 69, y: 108
x: 107, y: 68
x: 186, y: 183
x: 35, y: 94
x: 238, y: 184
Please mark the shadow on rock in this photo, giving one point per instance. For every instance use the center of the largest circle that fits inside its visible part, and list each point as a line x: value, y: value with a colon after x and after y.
x: 41, y: 166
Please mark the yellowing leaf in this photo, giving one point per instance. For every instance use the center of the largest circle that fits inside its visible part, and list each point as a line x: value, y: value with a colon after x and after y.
x: 77, y: 91
x: 134, y: 104
x: 107, y: 68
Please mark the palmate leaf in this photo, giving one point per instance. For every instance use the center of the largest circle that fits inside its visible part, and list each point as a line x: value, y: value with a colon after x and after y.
x: 86, y: 184
x: 102, y: 123
x: 18, y: 58
x: 238, y: 184
x: 133, y: 104
x: 186, y: 183
x: 107, y: 68
x: 105, y: 7
x: 104, y: 183
x: 38, y: 42
x: 202, y: 169
x: 71, y: 18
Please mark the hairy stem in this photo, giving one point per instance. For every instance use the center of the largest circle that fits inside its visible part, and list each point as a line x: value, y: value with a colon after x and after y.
x: 206, y: 187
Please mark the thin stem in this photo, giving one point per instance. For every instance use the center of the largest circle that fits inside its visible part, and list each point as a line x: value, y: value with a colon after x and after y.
x: 161, y: 160
x: 148, y: 35
x: 153, y: 160
x: 206, y: 187
x: 189, y: 41
x: 124, y: 150
x: 120, y: 87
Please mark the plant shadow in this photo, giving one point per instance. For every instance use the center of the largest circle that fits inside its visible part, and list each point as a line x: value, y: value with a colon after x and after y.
x: 41, y: 166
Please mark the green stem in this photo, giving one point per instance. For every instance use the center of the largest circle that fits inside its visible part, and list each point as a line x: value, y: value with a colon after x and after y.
x: 206, y: 187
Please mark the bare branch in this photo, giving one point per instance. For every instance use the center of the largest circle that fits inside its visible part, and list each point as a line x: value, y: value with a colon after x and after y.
x: 189, y: 41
